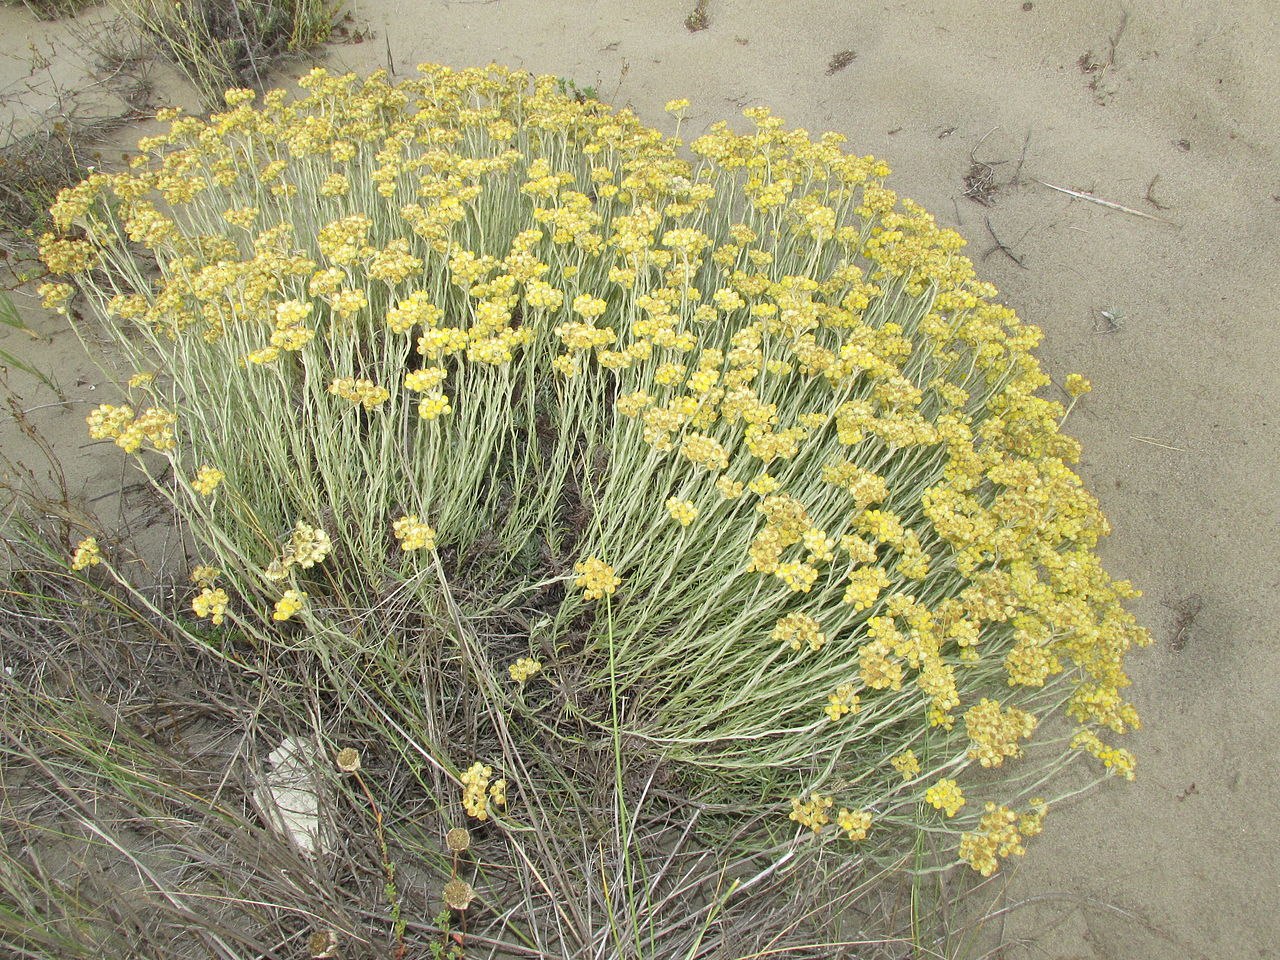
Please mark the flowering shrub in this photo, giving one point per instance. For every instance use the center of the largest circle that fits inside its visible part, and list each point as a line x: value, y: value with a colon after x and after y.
x: 741, y: 443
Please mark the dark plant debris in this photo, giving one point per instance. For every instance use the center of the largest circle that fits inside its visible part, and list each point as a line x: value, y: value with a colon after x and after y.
x: 699, y: 19
x: 1096, y: 66
x: 841, y: 60
x: 981, y: 184
x: 1187, y: 610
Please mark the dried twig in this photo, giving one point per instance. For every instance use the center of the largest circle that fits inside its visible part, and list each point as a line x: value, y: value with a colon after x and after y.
x: 1002, y: 246
x: 1106, y: 203
x: 1157, y: 443
x: 1016, y: 180
x: 1149, y: 198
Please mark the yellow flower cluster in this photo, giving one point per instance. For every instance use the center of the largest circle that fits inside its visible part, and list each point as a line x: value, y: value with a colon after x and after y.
x: 945, y: 795
x: 434, y: 405
x: 211, y: 603
x: 154, y: 427
x: 855, y: 824
x: 87, y: 554
x: 682, y: 511
x: 729, y: 488
x: 306, y: 546
x: 290, y: 603
x: 54, y: 296
x: 206, y: 480
x: 1077, y: 385
x: 366, y: 393
x: 997, y: 836
x: 705, y: 451
x: 413, y: 534
x: 799, y: 629
x: 1000, y: 833
x: 478, y: 793
x: 842, y: 702
x: 596, y: 578
x: 1116, y: 760
x: 907, y: 764
x: 205, y: 575
x: 425, y: 379
x: 524, y: 669
x: 812, y: 812
x: 994, y: 733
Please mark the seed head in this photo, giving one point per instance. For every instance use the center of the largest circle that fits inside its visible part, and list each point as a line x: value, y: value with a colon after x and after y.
x: 458, y: 894
x: 348, y: 760
x: 458, y: 839
x: 322, y: 944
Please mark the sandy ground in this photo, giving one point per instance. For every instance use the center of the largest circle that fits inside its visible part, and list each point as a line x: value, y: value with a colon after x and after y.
x: 1170, y: 110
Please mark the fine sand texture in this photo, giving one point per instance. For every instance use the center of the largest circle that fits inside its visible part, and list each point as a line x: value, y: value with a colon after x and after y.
x: 997, y: 116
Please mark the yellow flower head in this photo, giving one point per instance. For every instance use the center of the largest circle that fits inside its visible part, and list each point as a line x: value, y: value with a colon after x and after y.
x: 844, y: 701
x: 87, y: 554
x: 798, y: 630
x: 994, y: 733
x: 1077, y: 386
x: 211, y: 603
x: 307, y: 546
x: 206, y: 480
x: 289, y: 604
x: 729, y: 489
x: 906, y: 764
x: 107, y: 422
x: 682, y: 511
x: 997, y: 836
x: 413, y: 534
x: 434, y: 405
x: 596, y: 578
x: 855, y: 824
x: 945, y: 795
x: 523, y: 669
x: 588, y: 307
x: 359, y: 391
x: 812, y: 812
x: 204, y: 575
x: 475, y: 785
